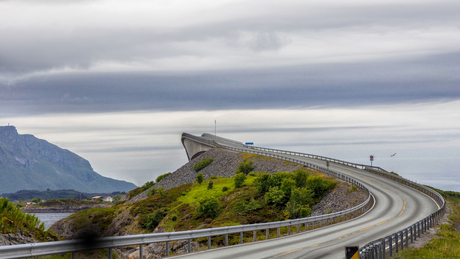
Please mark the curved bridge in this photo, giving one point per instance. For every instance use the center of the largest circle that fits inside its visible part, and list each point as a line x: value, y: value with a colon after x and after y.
x: 401, y: 211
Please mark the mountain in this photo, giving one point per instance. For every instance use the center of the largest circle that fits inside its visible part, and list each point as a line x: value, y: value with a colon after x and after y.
x: 29, y: 163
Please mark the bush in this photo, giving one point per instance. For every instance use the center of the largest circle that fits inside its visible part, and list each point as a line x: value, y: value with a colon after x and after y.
x: 199, y: 178
x: 208, y: 207
x: 151, y: 192
x: 277, y: 178
x: 305, y: 212
x: 37, y: 200
x: 262, y: 183
x: 253, y: 205
x: 302, y: 196
x: 174, y: 217
x: 239, y: 180
x: 274, y: 196
x: 319, y: 186
x: 210, y: 185
x: 159, y: 178
x: 225, y: 188
x: 287, y: 185
x: 293, y: 208
x: 147, y: 185
x: 200, y: 165
x: 300, y: 178
x: 153, y: 220
x: 245, y: 167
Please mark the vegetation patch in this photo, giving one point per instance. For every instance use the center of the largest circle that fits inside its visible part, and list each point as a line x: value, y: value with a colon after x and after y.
x: 200, y: 165
x: 13, y: 220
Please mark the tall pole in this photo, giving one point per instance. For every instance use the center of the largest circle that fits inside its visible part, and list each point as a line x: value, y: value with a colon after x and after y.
x: 215, y: 130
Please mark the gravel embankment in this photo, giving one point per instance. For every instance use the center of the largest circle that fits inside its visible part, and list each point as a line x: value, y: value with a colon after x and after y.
x: 225, y: 164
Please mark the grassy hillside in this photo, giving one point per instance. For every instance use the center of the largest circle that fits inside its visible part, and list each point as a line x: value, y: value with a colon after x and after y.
x: 213, y: 203
x: 447, y: 242
x: 13, y: 220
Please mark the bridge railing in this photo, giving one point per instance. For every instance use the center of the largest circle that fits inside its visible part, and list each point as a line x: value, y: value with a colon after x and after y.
x: 337, y: 161
x: 60, y: 247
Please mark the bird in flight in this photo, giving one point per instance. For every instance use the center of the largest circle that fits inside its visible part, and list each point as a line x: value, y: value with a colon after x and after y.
x: 393, y: 155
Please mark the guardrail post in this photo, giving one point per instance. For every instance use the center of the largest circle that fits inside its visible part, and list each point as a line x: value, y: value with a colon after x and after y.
x: 209, y: 242
x: 74, y: 255
x: 407, y: 237
x: 226, y: 239
x: 241, y: 237
x: 418, y: 226
x: 267, y: 233
x: 396, y: 242
x: 384, y: 247
x: 167, y: 248
x: 288, y: 230
x: 141, y: 252
x: 391, y: 246
x: 254, y: 235
x: 412, y: 234
x: 402, y: 240
x: 298, y: 228
x: 189, y: 245
x: 110, y: 253
x: 278, y: 231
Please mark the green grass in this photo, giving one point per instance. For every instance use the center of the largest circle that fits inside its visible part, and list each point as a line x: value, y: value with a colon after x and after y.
x: 198, y: 191
x: 447, y: 244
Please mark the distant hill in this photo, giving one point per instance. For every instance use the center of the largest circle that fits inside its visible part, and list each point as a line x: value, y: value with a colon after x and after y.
x: 27, y: 195
x: 29, y: 163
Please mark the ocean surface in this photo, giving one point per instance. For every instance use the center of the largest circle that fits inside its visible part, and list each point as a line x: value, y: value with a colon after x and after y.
x: 50, y: 218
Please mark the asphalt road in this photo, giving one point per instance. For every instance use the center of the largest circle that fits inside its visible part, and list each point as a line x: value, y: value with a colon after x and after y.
x: 396, y: 206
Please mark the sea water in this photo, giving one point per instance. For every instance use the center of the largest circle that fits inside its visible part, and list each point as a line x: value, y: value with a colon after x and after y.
x: 50, y: 218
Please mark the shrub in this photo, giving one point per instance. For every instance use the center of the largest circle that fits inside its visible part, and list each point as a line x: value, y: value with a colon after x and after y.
x: 240, y: 206
x: 199, y: 178
x: 293, y: 208
x: 159, y: 178
x: 151, y: 192
x: 153, y: 220
x: 245, y: 167
x: 287, y: 185
x: 174, y: 217
x: 239, y: 180
x: 37, y: 200
x: 300, y: 178
x: 320, y: 186
x: 200, y: 165
x: 305, y: 212
x: 277, y: 178
x: 208, y: 207
x: 262, y: 183
x: 147, y: 185
x: 253, y: 205
x: 225, y: 188
x: 274, y: 196
x: 301, y: 196
x: 210, y: 185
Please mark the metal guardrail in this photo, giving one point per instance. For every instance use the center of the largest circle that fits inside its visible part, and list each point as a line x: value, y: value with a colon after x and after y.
x: 337, y: 161
x: 60, y: 247
x: 382, y: 247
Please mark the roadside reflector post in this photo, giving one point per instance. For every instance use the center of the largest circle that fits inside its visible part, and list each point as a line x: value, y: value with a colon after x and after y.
x: 352, y: 252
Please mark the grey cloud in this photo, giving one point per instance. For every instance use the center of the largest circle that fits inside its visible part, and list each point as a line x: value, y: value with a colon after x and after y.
x: 26, y: 50
x: 356, y: 84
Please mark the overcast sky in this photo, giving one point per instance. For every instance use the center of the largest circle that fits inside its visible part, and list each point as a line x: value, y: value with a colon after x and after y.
x: 117, y: 82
